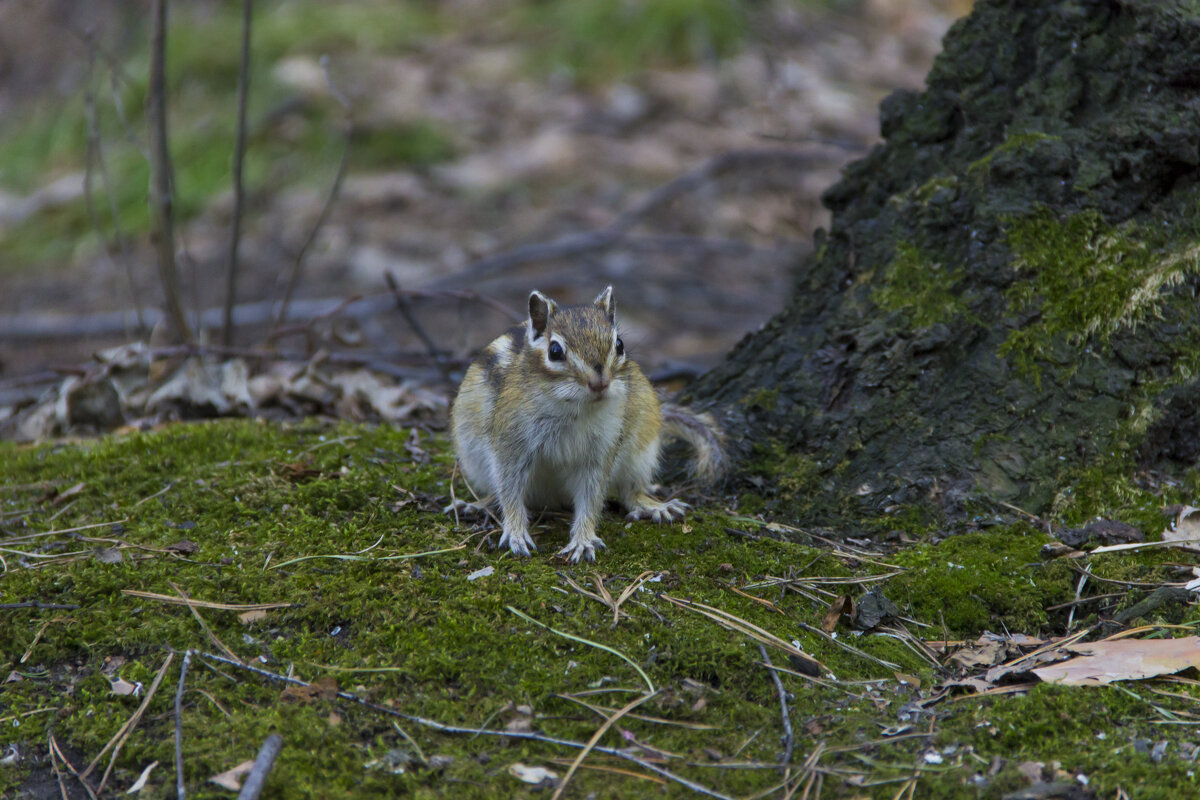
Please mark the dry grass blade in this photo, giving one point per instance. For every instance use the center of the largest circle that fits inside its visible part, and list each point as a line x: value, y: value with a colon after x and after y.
x: 913, y: 643
x: 56, y: 755
x: 840, y: 549
x: 587, y: 748
x: 809, y: 775
x: 604, y: 711
x: 649, y: 684
x: 735, y: 623
x: 118, y: 739
x: 606, y: 597
x: 762, y: 601
x: 340, y: 557
x: 204, y: 625
x: 178, y: 601
x: 25, y: 714
x: 848, y: 648
x: 628, y: 773
x: 825, y: 580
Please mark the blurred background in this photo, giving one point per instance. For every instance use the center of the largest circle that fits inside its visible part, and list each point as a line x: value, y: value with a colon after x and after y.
x: 471, y: 149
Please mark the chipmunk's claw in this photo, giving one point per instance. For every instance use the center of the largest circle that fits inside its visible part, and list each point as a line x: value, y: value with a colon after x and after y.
x: 660, y: 512
x: 520, y: 542
x: 582, y: 550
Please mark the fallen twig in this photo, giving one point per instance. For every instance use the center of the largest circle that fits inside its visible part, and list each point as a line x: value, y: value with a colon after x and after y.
x: 257, y: 778
x: 180, y: 790
x: 591, y: 743
x: 789, y: 740
x: 443, y: 728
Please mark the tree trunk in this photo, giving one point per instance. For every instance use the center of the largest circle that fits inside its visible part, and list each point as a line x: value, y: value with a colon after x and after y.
x: 1006, y: 301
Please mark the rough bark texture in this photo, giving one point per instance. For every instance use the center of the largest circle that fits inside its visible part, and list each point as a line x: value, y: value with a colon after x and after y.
x: 1007, y: 295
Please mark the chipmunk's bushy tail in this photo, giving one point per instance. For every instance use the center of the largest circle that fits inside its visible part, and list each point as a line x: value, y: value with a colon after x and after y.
x: 704, y: 434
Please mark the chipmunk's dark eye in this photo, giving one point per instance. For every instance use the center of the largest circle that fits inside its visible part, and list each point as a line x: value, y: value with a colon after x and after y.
x: 620, y: 347
x: 556, y: 352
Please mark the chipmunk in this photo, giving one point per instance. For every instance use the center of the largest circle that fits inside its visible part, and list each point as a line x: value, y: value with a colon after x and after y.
x: 554, y: 413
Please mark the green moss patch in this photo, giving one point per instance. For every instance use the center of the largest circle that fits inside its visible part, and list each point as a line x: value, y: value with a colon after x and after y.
x: 919, y: 288
x: 1087, y: 279
x: 598, y: 40
x: 342, y: 523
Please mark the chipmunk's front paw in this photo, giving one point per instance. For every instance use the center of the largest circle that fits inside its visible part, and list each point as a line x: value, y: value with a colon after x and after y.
x: 660, y: 512
x: 519, y: 541
x: 582, y: 549
x: 466, y: 508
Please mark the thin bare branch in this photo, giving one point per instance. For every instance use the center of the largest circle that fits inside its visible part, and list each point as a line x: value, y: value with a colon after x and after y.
x: 789, y: 740
x: 239, y: 192
x: 443, y: 728
x: 577, y: 244
x: 162, y: 208
x: 405, y: 306
x: 94, y: 159
x: 334, y: 190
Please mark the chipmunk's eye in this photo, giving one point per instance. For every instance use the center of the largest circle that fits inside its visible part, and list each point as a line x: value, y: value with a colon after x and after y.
x: 620, y: 347
x: 556, y: 352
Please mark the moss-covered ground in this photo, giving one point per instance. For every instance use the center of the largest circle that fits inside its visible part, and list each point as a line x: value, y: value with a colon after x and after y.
x: 265, y: 506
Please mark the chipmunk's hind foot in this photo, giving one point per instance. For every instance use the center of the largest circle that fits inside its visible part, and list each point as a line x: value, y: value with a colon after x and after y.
x: 646, y: 507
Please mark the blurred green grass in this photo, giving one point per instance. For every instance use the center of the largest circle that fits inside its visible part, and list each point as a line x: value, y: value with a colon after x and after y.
x: 297, y: 139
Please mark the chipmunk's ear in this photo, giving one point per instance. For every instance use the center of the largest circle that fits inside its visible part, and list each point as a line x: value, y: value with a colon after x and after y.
x: 604, y: 301
x: 541, y: 309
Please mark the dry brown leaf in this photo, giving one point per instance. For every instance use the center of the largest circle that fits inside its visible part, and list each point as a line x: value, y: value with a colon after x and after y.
x: 321, y: 689
x: 843, y: 606
x: 1122, y: 660
x: 1186, y: 528
x: 252, y: 616
x: 231, y: 779
x: 325, y: 688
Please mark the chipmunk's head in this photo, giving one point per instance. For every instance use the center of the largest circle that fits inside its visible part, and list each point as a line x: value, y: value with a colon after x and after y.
x: 578, y: 346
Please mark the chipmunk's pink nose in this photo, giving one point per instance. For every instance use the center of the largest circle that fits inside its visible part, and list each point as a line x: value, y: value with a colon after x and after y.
x: 598, y: 385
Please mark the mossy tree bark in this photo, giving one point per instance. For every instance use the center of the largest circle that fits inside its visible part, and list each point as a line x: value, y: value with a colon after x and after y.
x: 1007, y: 298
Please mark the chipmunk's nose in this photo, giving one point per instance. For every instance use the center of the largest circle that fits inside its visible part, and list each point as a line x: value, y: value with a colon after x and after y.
x: 598, y: 382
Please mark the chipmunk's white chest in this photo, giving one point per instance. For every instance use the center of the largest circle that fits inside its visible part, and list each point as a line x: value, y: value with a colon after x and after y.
x: 572, y: 444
